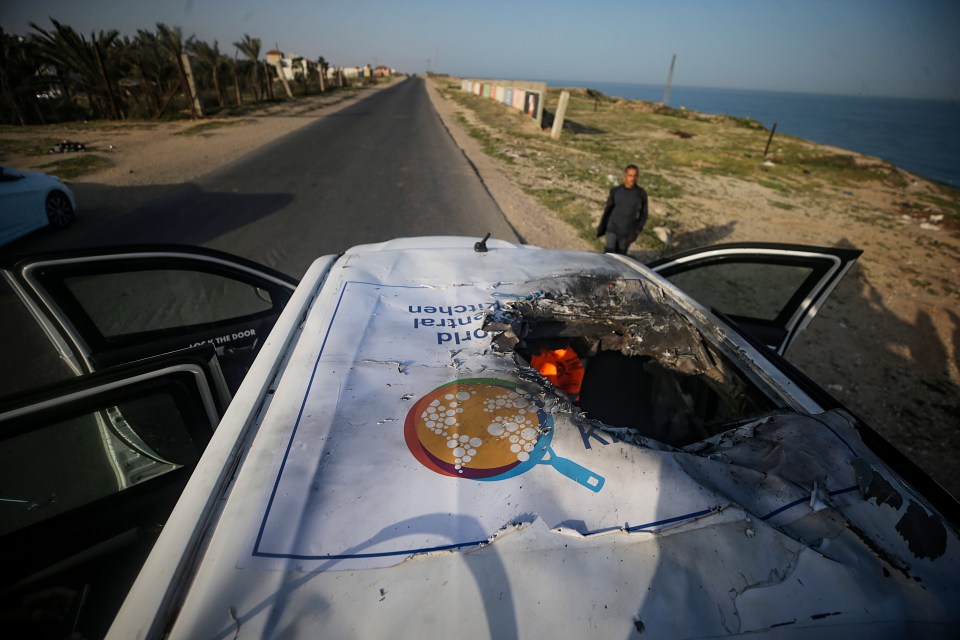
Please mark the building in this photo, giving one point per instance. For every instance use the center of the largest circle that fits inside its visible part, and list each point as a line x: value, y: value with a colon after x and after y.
x: 291, y: 66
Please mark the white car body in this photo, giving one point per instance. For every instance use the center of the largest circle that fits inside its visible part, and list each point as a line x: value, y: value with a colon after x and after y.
x: 320, y: 509
x: 23, y: 202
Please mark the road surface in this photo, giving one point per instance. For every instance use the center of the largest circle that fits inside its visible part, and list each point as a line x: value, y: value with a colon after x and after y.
x: 382, y: 168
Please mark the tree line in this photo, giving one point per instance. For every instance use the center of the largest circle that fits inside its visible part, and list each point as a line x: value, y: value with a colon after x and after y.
x: 57, y: 74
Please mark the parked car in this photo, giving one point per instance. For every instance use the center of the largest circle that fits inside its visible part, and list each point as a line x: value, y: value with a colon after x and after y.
x: 32, y: 200
x: 392, y: 464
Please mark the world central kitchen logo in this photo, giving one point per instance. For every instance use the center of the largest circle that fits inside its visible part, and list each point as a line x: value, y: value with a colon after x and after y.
x: 486, y: 429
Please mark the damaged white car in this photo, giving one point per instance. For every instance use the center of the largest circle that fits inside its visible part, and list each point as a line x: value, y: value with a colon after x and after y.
x: 448, y: 438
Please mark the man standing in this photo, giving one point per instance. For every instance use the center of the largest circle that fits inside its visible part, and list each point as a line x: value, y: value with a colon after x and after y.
x: 624, y: 214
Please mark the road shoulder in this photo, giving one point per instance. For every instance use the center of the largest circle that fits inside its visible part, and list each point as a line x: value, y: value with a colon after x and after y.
x: 534, y: 223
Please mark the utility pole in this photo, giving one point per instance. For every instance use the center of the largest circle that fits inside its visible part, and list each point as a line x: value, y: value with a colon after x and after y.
x: 666, y: 94
x: 770, y: 139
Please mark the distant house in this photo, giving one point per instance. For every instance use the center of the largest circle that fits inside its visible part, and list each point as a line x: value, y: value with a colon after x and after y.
x: 360, y: 72
x: 298, y: 65
x: 291, y: 65
x: 274, y: 57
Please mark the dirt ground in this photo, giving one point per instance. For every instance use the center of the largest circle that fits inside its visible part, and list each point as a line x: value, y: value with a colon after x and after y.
x: 886, y: 344
x: 164, y: 153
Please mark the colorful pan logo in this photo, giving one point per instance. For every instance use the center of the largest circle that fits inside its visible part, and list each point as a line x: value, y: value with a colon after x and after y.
x: 486, y: 429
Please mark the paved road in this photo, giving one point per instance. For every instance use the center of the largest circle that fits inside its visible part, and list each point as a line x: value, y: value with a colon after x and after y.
x: 382, y: 168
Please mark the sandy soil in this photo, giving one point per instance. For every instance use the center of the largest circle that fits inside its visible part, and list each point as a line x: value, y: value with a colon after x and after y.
x: 887, y: 344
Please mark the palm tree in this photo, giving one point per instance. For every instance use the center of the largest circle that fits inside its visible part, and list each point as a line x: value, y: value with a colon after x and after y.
x: 88, y: 66
x: 171, y: 40
x: 250, y: 47
x: 151, y: 68
x: 236, y: 79
x: 18, y: 67
x: 212, y: 60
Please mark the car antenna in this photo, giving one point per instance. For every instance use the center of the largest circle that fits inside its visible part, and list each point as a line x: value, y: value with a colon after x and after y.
x: 481, y: 247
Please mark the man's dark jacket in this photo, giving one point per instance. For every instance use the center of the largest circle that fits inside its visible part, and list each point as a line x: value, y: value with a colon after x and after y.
x: 625, y: 213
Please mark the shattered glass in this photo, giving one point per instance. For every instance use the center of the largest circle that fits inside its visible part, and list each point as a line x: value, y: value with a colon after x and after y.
x: 648, y: 369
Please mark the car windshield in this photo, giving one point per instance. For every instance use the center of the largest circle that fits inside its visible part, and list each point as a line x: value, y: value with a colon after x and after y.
x: 634, y: 362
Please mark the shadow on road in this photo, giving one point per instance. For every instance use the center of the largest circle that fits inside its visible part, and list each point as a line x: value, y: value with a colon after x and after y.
x: 174, y: 214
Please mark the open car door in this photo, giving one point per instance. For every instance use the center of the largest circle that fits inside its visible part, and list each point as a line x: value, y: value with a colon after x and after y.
x: 104, y: 307
x: 90, y: 469
x: 769, y: 290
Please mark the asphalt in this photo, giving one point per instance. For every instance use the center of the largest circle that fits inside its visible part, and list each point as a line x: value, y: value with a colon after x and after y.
x: 383, y: 168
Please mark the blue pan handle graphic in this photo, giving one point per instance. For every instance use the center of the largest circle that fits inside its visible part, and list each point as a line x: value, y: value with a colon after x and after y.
x: 581, y: 475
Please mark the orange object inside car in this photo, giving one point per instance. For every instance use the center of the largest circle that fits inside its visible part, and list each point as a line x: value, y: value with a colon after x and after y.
x: 562, y: 367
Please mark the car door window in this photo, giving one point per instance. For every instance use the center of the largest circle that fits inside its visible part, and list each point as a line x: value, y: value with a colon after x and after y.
x: 129, y: 302
x: 769, y: 290
x: 750, y: 289
x: 90, y: 470
x: 116, y: 306
x: 30, y: 359
x: 69, y: 462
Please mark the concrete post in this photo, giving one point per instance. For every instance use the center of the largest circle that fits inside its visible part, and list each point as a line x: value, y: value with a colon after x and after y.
x: 283, y: 78
x: 561, y: 113
x: 191, y: 85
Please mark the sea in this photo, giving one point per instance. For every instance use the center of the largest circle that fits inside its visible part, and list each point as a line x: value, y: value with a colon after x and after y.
x: 921, y: 136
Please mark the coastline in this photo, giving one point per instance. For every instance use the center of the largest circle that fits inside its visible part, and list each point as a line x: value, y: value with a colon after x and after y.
x: 921, y: 135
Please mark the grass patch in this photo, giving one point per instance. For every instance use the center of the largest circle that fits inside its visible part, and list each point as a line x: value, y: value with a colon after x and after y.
x: 648, y: 239
x: 832, y: 160
x: 112, y: 125
x: 76, y: 166
x: 659, y: 187
x: 920, y: 283
x: 781, y: 205
x: 482, y: 136
x: 572, y: 209
x: 491, y: 113
x: 804, y: 164
x: 206, y: 129
x: 26, y: 146
x: 487, y: 141
x: 748, y: 123
x: 949, y: 206
x: 613, y: 132
x: 775, y: 185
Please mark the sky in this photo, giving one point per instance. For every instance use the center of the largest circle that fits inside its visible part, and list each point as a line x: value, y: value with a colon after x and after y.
x: 889, y: 48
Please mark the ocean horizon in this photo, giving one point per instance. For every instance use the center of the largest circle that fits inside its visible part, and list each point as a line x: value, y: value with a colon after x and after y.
x: 921, y: 136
